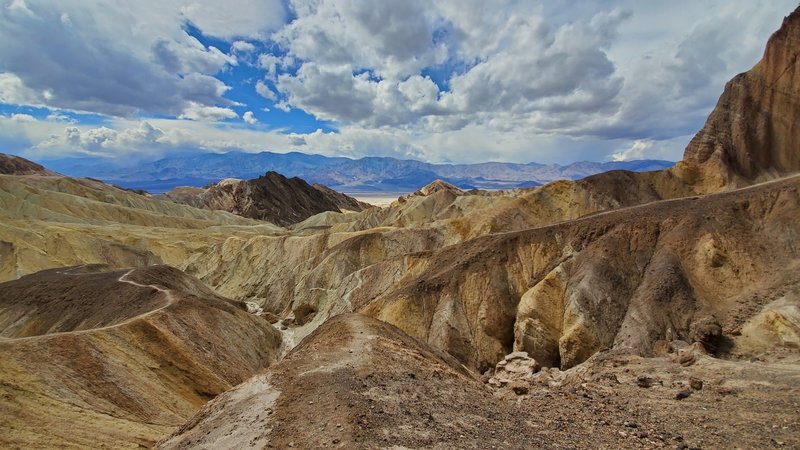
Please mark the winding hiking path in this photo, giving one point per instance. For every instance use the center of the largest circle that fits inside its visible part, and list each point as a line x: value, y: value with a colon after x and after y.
x: 168, y: 295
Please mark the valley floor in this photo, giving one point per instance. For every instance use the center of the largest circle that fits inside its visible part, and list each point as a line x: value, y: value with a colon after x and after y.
x: 624, y: 401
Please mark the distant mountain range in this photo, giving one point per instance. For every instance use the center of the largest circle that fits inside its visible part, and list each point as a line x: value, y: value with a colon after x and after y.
x: 372, y: 174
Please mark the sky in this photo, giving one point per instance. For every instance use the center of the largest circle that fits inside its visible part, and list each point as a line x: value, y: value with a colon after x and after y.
x: 440, y: 81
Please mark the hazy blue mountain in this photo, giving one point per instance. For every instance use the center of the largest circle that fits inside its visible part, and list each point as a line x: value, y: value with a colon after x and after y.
x: 370, y: 174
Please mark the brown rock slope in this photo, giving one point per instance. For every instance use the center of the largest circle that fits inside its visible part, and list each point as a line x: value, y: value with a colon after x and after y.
x: 271, y: 197
x: 754, y: 131
x: 14, y: 165
x: 357, y: 383
x: 624, y: 278
x: 361, y: 383
x: 91, y: 358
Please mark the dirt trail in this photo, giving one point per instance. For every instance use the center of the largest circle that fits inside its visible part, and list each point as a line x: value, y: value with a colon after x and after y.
x: 656, y: 202
x: 168, y: 295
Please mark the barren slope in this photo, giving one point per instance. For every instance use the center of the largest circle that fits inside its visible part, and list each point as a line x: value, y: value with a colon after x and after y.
x: 48, y: 222
x: 356, y: 383
x: 360, y: 383
x: 93, y: 358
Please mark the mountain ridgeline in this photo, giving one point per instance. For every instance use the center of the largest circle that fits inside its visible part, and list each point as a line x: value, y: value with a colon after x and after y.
x: 372, y: 174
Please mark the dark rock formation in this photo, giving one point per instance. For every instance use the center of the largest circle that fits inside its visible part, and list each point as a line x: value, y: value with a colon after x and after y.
x: 271, y: 197
x: 14, y: 165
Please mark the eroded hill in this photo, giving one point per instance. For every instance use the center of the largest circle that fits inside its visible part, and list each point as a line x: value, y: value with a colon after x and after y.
x: 271, y: 197
x: 91, y: 357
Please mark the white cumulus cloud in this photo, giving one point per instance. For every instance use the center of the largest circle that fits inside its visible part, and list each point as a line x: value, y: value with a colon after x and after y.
x: 249, y: 118
x: 196, y: 111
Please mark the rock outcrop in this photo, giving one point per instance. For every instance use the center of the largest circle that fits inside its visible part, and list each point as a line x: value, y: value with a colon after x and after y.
x: 624, y: 278
x: 517, y: 369
x: 753, y: 133
x: 271, y: 197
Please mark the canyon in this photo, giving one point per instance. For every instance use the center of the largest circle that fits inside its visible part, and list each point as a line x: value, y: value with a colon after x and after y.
x: 624, y: 309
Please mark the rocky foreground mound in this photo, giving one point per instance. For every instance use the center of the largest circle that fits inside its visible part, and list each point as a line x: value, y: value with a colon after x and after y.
x: 360, y: 383
x: 357, y: 383
x: 271, y: 197
x: 99, y: 358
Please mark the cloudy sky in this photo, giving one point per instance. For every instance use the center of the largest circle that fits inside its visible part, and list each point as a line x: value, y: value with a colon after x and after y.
x: 449, y: 80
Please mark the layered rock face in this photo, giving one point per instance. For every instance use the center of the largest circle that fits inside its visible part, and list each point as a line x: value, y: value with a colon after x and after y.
x: 753, y: 132
x: 94, y: 358
x: 272, y: 197
x: 624, y: 278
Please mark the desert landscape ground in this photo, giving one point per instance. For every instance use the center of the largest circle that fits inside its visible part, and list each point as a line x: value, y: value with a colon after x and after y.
x: 654, y: 309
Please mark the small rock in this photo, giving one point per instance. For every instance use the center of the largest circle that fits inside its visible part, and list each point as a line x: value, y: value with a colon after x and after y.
x: 630, y: 424
x: 270, y: 317
x: 644, y: 381
x: 707, y: 331
x: 517, y: 366
x: 696, y: 383
x: 519, y: 388
x: 687, y: 358
x: 682, y: 394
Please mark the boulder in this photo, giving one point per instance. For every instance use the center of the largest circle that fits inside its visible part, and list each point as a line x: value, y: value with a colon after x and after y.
x: 516, y: 369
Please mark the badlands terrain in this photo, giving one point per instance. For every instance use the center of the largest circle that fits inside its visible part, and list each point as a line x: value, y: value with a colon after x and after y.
x: 623, y: 310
